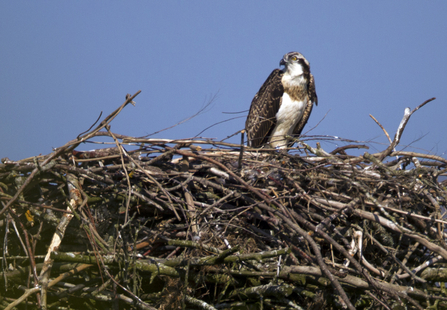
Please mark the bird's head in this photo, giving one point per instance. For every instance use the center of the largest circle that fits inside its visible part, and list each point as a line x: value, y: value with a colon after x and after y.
x: 295, y: 64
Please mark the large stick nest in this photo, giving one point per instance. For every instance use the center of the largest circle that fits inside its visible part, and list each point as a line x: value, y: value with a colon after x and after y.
x: 201, y: 224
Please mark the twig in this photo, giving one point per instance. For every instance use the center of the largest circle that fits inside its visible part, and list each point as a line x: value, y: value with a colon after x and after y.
x: 380, y: 125
x: 239, y: 164
x: 401, y: 128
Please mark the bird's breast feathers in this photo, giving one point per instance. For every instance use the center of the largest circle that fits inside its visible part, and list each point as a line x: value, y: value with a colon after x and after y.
x: 288, y: 115
x: 293, y: 104
x: 295, y: 87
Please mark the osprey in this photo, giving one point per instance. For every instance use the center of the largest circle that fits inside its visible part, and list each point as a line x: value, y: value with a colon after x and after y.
x: 283, y: 104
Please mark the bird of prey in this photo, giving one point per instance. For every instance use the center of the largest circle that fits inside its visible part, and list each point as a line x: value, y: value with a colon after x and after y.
x: 282, y: 106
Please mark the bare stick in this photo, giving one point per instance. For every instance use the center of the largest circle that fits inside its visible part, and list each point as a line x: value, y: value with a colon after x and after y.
x: 75, y: 202
x: 129, y: 186
x: 401, y: 128
x: 380, y: 125
x: 241, y: 153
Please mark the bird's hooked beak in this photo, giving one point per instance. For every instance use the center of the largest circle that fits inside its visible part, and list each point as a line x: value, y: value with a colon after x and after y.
x: 283, y: 62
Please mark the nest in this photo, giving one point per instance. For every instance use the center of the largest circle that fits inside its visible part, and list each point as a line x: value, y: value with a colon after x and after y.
x: 200, y: 224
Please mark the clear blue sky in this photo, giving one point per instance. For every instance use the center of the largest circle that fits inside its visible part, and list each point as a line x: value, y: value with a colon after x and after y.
x: 63, y: 62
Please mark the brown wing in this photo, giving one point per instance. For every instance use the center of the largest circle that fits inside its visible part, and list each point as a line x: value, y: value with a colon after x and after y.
x: 262, y: 116
x: 312, y: 95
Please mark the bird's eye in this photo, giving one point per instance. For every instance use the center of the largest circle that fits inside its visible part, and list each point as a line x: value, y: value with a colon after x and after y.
x: 294, y: 58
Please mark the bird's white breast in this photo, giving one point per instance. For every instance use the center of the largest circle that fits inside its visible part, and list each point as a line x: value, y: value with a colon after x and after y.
x: 287, y: 117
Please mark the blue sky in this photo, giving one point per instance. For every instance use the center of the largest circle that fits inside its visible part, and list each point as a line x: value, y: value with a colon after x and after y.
x: 62, y: 63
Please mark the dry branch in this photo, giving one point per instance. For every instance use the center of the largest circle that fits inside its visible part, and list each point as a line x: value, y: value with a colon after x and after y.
x: 168, y: 224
